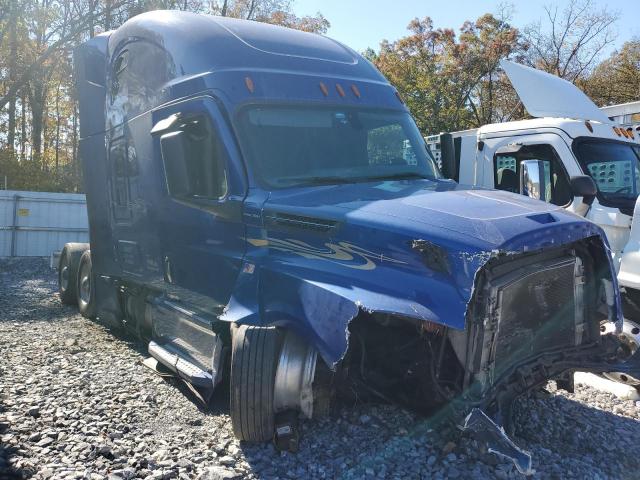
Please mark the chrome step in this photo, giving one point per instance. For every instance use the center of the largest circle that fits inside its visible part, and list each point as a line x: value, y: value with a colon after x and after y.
x: 187, y: 370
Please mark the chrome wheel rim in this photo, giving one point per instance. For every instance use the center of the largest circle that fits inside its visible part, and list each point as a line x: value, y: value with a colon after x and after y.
x: 631, y: 334
x: 64, y: 278
x: 85, y: 285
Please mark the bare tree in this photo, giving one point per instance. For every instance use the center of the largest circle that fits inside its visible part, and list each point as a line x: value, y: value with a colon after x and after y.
x: 569, y: 42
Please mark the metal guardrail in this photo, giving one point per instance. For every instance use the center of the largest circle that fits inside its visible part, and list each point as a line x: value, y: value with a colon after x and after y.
x: 15, y: 227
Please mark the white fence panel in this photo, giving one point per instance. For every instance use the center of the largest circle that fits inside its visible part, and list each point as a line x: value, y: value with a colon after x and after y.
x: 34, y: 224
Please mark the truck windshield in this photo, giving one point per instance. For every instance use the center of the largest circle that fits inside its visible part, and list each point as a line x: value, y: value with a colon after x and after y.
x: 294, y: 146
x: 614, y: 166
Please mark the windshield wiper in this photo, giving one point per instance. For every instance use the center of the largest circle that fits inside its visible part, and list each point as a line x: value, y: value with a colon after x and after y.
x: 334, y: 180
x: 396, y: 176
x: 319, y: 180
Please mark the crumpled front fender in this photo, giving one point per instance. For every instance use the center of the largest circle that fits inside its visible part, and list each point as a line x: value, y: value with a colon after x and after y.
x: 319, y: 312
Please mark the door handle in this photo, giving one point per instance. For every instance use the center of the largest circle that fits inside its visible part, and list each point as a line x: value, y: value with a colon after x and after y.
x: 167, y: 270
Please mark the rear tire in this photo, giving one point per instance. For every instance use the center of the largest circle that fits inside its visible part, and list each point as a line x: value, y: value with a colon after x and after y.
x: 86, y: 287
x: 254, y: 359
x: 68, y: 272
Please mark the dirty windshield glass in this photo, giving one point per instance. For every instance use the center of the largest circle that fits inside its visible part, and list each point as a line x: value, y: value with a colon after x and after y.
x: 613, y: 166
x: 291, y: 146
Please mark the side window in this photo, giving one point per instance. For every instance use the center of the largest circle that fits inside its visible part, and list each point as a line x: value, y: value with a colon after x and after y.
x: 118, y: 71
x: 194, y: 160
x: 612, y: 176
x: 137, y: 76
x: 389, y: 145
x: 507, y: 172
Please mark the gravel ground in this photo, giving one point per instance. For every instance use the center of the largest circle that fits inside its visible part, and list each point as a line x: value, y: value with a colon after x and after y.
x: 75, y: 402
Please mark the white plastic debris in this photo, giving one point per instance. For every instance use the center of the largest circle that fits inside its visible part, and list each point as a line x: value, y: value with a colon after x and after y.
x: 620, y: 390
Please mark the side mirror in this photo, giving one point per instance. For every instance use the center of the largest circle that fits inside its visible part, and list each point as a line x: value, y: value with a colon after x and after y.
x: 448, y: 157
x: 584, y: 186
x: 174, y: 155
x: 532, y: 179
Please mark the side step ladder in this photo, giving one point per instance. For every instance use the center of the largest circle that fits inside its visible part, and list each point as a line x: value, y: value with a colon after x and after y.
x: 184, y: 369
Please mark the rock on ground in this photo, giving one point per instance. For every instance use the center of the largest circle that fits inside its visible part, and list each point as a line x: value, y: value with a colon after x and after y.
x: 76, y: 403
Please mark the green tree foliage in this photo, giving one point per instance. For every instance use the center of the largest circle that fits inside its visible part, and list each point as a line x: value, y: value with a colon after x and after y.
x: 452, y: 80
x: 38, y: 110
x: 449, y: 81
x: 616, y: 79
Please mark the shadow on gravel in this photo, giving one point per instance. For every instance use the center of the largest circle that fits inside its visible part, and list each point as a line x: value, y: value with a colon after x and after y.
x: 6, y: 451
x: 38, y: 277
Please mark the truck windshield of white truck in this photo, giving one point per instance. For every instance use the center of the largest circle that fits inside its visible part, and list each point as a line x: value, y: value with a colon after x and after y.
x: 297, y: 146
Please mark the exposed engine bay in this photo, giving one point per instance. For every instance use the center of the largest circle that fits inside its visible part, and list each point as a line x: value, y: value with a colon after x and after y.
x: 533, y: 317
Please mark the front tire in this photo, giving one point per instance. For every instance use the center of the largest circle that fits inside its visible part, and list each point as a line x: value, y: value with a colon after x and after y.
x: 254, y: 359
x: 86, y: 287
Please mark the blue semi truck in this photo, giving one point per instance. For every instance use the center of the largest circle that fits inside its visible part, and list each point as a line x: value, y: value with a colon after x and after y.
x: 261, y: 205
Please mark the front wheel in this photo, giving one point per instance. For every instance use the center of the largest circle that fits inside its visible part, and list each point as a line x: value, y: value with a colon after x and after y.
x: 254, y: 359
x: 86, y: 287
x: 631, y: 336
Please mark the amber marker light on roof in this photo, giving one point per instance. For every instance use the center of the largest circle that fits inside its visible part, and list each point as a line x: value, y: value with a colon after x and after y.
x: 340, y: 90
x: 617, y: 130
x: 249, y: 83
x: 589, y: 126
x: 355, y: 91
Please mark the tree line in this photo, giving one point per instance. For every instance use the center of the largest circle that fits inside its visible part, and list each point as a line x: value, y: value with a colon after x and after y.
x: 453, y: 81
x: 449, y: 79
x: 38, y: 109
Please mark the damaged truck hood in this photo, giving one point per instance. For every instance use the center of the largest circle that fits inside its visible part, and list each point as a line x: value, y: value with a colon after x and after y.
x: 479, y: 218
x: 321, y: 255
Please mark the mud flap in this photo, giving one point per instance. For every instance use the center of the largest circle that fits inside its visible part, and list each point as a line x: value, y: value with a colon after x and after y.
x: 486, y: 430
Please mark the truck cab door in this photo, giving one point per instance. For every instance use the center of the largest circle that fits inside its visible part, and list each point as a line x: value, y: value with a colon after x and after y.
x: 198, y: 215
x: 199, y: 218
x: 504, y: 159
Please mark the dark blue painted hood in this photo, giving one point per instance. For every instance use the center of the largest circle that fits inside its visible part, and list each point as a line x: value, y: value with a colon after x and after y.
x: 480, y: 218
x: 410, y: 248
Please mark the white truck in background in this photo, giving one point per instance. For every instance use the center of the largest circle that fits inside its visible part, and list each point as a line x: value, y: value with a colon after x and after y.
x: 570, y: 154
x: 625, y: 114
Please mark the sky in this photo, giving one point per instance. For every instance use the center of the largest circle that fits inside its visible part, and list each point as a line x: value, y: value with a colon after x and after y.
x: 364, y: 23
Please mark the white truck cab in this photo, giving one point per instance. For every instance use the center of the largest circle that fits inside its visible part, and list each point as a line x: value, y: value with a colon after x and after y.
x: 550, y: 158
